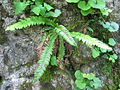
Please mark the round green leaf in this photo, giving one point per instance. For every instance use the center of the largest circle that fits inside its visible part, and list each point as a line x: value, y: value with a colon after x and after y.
x: 89, y: 76
x: 103, y: 50
x: 111, y: 26
x: 112, y: 42
x: 100, y: 4
x: 86, y: 12
x: 96, y: 83
x: 80, y: 85
x: 83, y: 5
x: 95, y: 53
x: 114, y: 27
x: 113, y: 57
x: 72, y: 1
x: 78, y: 75
x: 104, y: 12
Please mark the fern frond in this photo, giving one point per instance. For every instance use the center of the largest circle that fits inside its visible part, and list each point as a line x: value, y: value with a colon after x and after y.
x: 44, y: 58
x: 63, y: 32
x: 89, y: 40
x: 33, y: 20
x: 61, y: 50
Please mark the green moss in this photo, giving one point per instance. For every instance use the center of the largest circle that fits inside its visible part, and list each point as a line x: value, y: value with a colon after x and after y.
x: 47, y: 76
x: 112, y: 72
x: 72, y: 26
x: 26, y: 85
x: 29, y: 64
x: 2, y: 37
x: 107, y: 69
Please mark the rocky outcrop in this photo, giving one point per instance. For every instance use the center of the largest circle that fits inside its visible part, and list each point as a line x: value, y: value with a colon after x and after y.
x: 18, y: 54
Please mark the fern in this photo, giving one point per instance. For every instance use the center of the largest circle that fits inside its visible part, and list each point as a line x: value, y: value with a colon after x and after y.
x: 89, y: 40
x: 61, y: 51
x: 33, y: 20
x: 45, y: 58
x: 63, y: 32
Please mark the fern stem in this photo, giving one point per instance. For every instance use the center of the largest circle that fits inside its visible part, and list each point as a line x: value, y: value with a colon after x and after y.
x: 89, y: 40
x: 33, y: 20
x: 45, y: 58
x: 61, y: 51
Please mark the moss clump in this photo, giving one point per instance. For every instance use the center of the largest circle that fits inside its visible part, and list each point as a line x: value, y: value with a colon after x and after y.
x: 46, y: 78
x: 26, y: 86
x: 48, y: 75
x: 107, y: 69
x: 112, y: 72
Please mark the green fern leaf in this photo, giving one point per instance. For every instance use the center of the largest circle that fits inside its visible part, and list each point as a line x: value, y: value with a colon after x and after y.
x: 44, y: 58
x: 33, y: 20
x: 89, y: 40
x: 61, y: 51
x: 62, y: 31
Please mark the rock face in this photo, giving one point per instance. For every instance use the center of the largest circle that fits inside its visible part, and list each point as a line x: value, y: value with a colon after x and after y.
x: 18, y: 54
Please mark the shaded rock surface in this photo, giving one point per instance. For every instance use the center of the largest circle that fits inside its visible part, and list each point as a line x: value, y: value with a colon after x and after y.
x: 18, y: 54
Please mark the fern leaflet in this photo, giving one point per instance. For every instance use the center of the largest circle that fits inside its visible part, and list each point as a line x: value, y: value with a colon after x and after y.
x: 33, y: 20
x: 63, y: 32
x: 89, y: 40
x: 45, y: 58
x: 61, y: 51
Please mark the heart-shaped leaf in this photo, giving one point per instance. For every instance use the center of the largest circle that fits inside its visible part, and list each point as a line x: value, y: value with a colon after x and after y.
x: 20, y: 6
x: 80, y: 85
x: 78, y: 74
x: 100, y: 4
x: 56, y: 13
x: 39, y: 10
x: 89, y: 76
x: 87, y: 12
x: 112, y: 42
x: 48, y: 7
x: 104, y: 12
x: 83, y: 5
x: 95, y: 53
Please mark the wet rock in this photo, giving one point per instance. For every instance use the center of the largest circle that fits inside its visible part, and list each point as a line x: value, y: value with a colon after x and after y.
x: 18, y: 52
x: 16, y: 64
x: 58, y: 80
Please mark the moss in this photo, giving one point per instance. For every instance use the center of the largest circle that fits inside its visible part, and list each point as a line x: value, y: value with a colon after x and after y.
x: 72, y: 26
x: 107, y: 69
x: 29, y: 64
x: 112, y: 72
x: 26, y: 86
x: 2, y: 37
x: 47, y: 76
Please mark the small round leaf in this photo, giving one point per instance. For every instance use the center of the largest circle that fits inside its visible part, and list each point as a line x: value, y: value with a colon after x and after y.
x: 72, y: 1
x: 83, y: 5
x: 112, y: 42
x: 99, y: 4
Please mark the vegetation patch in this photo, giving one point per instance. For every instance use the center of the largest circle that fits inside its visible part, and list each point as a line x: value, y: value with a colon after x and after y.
x: 45, y: 15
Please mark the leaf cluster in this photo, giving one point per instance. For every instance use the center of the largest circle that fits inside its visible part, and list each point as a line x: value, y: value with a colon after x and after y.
x: 38, y: 7
x: 89, y: 6
x: 62, y: 32
x: 42, y: 11
x: 97, y: 51
x: 111, y: 26
x: 108, y: 54
x: 86, y: 81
